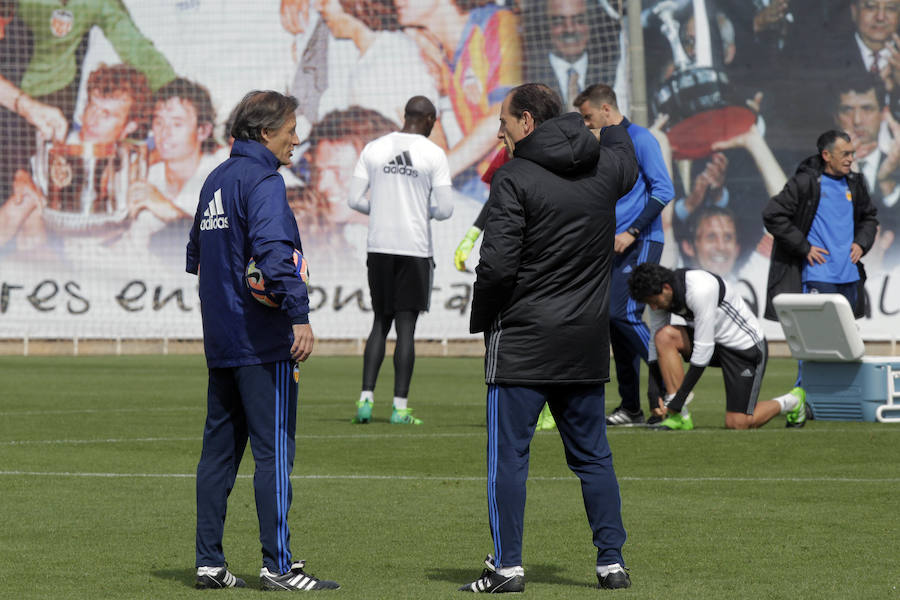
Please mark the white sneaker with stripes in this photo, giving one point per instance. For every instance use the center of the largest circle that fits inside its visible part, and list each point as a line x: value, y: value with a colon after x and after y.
x: 295, y: 579
x: 215, y: 578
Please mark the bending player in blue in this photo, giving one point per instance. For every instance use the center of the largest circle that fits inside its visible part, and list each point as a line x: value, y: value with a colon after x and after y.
x: 639, y: 239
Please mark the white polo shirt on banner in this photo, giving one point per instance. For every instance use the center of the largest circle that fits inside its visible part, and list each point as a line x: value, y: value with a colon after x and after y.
x: 402, y: 170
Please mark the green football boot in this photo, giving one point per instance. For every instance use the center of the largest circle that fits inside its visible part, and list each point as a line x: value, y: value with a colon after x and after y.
x: 363, y: 412
x: 797, y: 417
x: 403, y: 416
x: 675, y: 421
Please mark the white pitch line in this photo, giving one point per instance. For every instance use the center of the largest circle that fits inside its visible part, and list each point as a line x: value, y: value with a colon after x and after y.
x: 469, y: 434
x: 200, y: 408
x: 103, y: 411
x: 364, y: 436
x: 104, y: 441
x: 571, y: 478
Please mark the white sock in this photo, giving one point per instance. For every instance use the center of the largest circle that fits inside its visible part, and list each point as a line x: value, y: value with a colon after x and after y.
x: 685, y: 413
x: 367, y: 395
x: 604, y: 570
x: 399, y: 403
x: 788, y: 402
x: 511, y: 571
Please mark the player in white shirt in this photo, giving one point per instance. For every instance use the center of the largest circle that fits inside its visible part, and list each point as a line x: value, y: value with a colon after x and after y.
x: 718, y: 330
x: 408, y: 179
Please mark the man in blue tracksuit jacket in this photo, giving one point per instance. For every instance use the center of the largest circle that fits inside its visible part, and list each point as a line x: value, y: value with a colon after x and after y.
x: 639, y: 239
x: 251, y: 349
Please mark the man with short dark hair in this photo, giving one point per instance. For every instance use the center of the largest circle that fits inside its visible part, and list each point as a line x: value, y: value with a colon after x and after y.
x: 409, y: 178
x: 639, y: 239
x: 251, y: 349
x: 541, y: 296
x: 718, y: 330
x: 823, y: 222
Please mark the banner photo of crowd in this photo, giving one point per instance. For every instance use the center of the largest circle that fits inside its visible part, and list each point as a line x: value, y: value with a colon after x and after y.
x: 113, y: 113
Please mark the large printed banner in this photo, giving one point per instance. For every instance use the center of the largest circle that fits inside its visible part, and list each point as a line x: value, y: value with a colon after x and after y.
x: 113, y: 112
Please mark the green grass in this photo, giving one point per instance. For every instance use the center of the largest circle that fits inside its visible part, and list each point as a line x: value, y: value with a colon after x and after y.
x: 97, y: 456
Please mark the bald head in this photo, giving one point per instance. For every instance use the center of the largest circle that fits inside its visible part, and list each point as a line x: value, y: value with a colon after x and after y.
x: 419, y: 116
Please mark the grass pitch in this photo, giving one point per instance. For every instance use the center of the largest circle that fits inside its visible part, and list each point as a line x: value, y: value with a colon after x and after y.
x: 97, y: 460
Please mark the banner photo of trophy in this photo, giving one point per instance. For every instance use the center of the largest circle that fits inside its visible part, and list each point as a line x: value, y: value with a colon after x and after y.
x: 692, y: 87
x: 85, y: 184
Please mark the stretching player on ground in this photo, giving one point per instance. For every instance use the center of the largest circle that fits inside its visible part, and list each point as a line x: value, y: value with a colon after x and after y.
x: 409, y: 182
x: 718, y: 330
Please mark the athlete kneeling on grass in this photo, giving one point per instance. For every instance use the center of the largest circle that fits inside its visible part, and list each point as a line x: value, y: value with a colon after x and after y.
x: 718, y: 330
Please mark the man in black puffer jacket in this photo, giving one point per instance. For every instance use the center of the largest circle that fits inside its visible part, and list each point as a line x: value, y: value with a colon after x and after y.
x: 542, y: 298
x: 791, y: 214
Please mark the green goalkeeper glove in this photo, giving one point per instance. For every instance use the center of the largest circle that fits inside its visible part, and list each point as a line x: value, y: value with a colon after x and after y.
x: 465, y: 247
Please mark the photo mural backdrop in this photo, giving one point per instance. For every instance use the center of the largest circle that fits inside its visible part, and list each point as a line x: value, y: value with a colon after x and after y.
x: 113, y: 112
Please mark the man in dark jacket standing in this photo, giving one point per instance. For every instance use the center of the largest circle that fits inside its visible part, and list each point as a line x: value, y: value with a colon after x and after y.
x: 823, y: 222
x: 251, y: 349
x: 542, y: 298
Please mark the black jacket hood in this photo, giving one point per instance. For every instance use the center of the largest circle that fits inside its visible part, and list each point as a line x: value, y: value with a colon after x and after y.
x: 562, y: 145
x: 814, y: 165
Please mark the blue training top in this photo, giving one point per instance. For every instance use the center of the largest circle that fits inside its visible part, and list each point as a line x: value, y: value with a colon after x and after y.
x: 653, y: 190
x: 243, y: 213
x: 832, y: 229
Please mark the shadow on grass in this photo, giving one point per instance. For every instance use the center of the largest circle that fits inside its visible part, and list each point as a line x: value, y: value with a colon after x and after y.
x: 183, y: 576
x: 541, y: 573
x: 380, y: 424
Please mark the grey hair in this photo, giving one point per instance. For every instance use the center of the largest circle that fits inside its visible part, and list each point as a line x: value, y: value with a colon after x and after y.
x: 260, y: 110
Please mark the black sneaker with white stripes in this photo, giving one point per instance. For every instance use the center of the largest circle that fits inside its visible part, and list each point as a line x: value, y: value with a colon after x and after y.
x: 614, y: 580
x: 295, y: 579
x: 492, y: 582
x: 216, y: 578
x: 622, y: 418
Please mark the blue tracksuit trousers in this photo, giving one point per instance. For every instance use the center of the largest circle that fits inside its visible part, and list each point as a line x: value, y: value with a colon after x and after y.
x: 512, y: 413
x: 628, y: 335
x: 259, y: 401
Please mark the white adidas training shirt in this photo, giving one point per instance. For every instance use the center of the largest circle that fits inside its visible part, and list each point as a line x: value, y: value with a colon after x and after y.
x: 730, y: 324
x: 401, y: 170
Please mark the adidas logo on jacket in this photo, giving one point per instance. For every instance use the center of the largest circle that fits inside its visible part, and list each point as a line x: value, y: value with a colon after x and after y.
x: 214, y: 215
